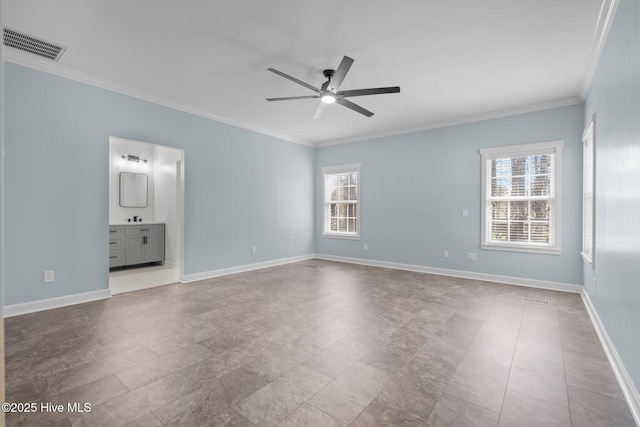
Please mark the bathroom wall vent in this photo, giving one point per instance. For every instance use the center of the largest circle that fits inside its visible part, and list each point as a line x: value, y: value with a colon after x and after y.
x: 33, y: 45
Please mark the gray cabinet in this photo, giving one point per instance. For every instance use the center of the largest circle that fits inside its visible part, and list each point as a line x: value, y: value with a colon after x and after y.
x: 154, y: 247
x: 116, y: 246
x: 135, y: 250
x: 136, y: 244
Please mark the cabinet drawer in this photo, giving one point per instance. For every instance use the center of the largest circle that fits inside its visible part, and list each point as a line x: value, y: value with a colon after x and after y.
x: 132, y: 230
x: 116, y: 231
x: 116, y: 243
x: 116, y: 258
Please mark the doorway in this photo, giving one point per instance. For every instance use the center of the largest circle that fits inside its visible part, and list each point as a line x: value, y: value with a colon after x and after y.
x: 161, y: 205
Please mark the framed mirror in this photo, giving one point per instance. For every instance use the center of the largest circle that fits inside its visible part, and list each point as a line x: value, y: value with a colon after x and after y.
x: 133, y: 190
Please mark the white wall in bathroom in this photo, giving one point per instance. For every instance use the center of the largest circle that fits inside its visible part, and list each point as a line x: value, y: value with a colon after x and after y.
x: 117, y: 148
x: 165, y: 199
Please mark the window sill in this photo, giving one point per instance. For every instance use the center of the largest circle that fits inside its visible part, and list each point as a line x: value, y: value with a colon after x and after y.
x: 341, y: 236
x: 516, y: 248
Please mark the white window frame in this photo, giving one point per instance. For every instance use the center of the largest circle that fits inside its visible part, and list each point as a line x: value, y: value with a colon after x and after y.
x: 588, y: 192
x: 326, y: 202
x: 488, y: 154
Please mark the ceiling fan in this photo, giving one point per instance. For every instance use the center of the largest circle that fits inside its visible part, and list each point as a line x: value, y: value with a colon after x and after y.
x: 329, y: 93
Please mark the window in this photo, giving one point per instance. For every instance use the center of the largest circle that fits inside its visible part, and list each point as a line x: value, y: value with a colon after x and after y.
x: 588, y: 175
x: 341, y: 201
x: 520, y: 197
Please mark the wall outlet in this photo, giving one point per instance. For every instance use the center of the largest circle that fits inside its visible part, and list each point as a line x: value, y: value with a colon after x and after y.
x: 365, y: 247
x: 473, y: 257
x: 253, y: 249
x: 464, y: 213
x: 48, y: 276
x: 445, y: 253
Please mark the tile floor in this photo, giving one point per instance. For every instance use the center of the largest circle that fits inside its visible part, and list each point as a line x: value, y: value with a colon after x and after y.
x: 129, y: 279
x: 316, y: 343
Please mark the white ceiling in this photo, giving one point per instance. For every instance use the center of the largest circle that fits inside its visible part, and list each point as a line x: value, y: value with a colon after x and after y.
x: 455, y: 60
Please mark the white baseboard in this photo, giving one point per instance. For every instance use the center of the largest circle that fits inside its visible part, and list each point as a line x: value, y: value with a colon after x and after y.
x: 519, y: 281
x: 47, y: 304
x: 626, y: 383
x: 186, y: 278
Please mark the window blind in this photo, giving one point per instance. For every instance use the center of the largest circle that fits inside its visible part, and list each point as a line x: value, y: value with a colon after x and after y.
x: 520, y: 204
x: 341, y: 207
x: 521, y: 196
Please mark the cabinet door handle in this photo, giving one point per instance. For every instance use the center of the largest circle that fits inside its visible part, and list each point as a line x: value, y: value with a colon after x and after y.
x: 144, y: 229
x: 113, y: 243
x: 114, y: 256
x: 113, y: 231
x: 144, y: 240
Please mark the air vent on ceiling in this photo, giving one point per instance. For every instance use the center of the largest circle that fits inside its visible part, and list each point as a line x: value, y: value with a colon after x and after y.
x: 31, y: 44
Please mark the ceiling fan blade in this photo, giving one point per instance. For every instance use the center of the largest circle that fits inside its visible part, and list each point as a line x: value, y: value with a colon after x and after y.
x: 354, y: 107
x: 372, y: 91
x: 319, y: 110
x: 289, y: 98
x: 340, y: 73
x: 293, y: 79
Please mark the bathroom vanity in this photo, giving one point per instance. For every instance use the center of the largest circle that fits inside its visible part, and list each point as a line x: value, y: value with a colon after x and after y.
x: 136, y: 243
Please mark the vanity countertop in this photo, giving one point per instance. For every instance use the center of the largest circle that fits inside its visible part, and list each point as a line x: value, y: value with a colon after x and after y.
x: 136, y: 223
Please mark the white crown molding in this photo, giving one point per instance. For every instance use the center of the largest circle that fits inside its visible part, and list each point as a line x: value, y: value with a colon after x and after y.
x: 624, y: 380
x: 56, y: 69
x: 188, y: 278
x: 603, y: 25
x: 564, y: 102
x: 518, y: 281
x: 47, y: 304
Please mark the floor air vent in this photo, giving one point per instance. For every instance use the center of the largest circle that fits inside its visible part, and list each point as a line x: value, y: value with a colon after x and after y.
x: 31, y: 44
x: 535, y: 301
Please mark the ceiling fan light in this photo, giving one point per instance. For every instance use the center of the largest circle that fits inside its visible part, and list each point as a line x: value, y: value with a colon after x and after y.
x: 328, y: 98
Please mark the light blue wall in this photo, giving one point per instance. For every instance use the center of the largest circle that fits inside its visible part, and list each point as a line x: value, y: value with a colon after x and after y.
x: 239, y: 190
x: 614, y: 96
x: 414, y: 187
